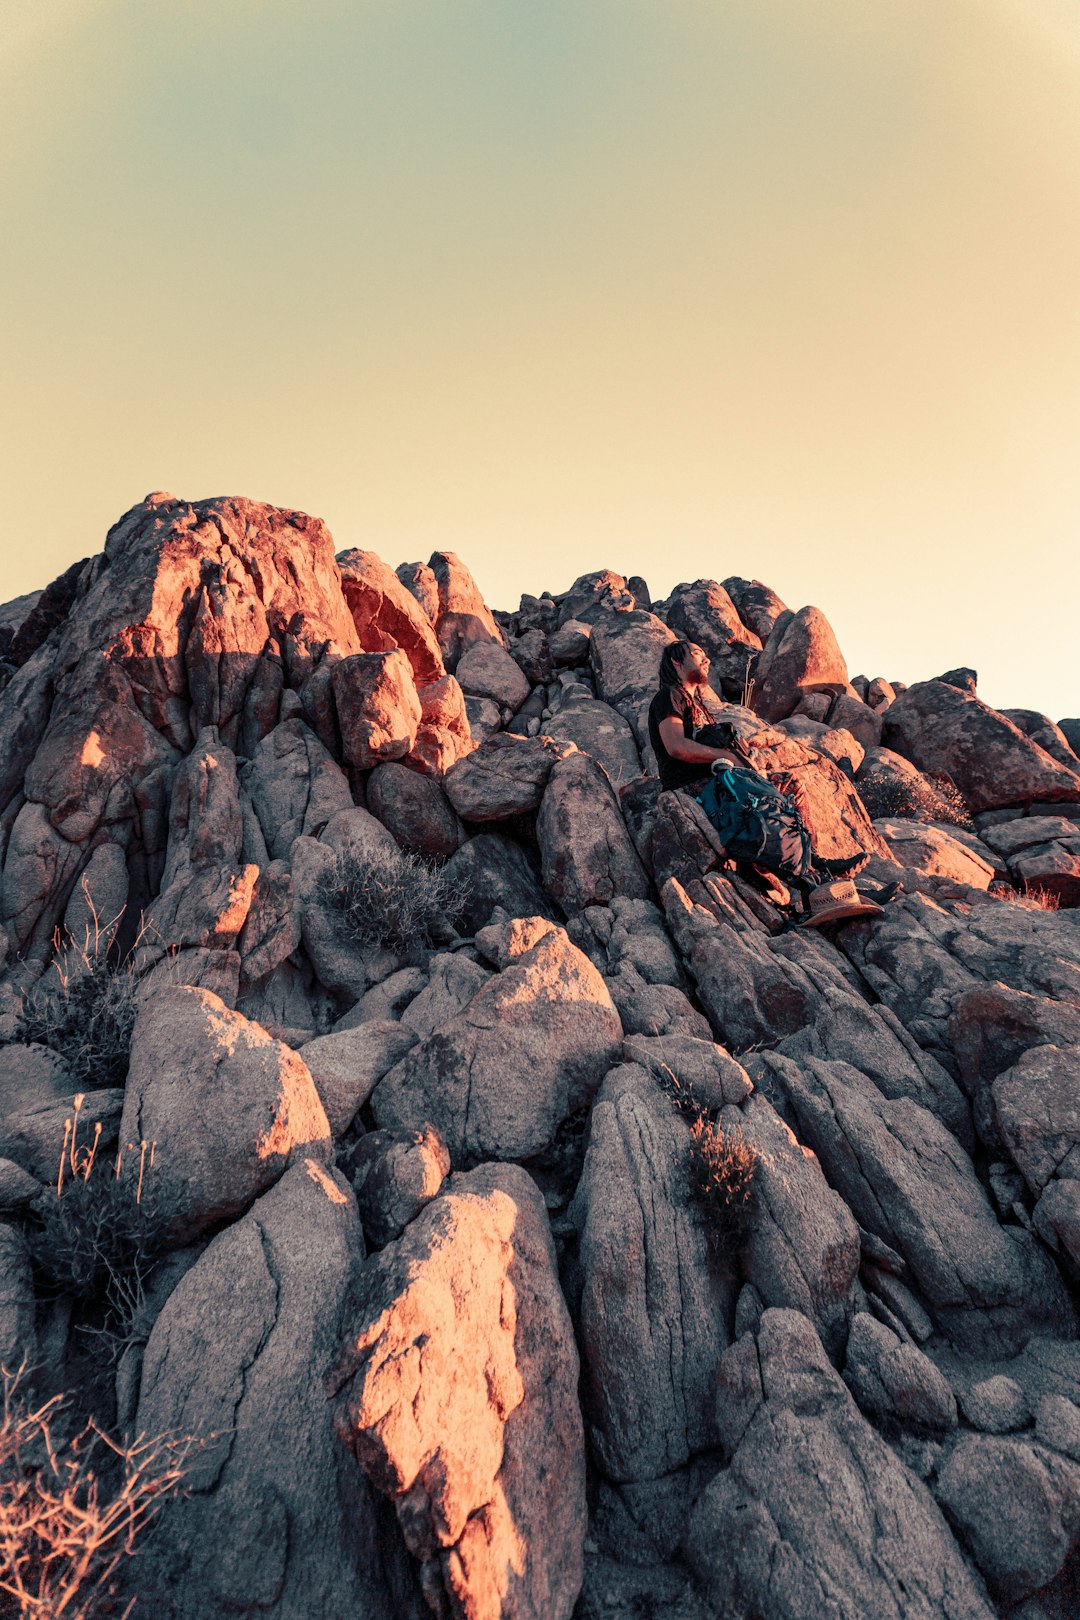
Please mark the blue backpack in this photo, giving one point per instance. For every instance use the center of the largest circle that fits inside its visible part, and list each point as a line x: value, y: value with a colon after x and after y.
x: 753, y: 819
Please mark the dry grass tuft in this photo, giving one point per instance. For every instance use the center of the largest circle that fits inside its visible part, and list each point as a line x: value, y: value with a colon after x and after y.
x: 398, y: 900
x: 722, y: 1166
x: 1028, y: 900
x: 927, y: 798
x: 84, y: 1009
x: 63, y: 1532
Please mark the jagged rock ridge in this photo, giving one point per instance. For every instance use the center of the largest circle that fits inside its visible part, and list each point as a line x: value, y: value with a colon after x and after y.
x: 433, y: 1278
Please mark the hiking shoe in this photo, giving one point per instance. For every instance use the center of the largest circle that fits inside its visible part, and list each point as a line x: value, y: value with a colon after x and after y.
x: 841, y: 869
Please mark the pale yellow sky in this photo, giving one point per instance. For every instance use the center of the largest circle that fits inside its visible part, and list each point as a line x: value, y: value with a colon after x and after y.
x: 784, y: 288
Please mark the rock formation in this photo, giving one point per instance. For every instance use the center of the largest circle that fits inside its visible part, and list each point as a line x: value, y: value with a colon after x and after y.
x: 522, y: 1217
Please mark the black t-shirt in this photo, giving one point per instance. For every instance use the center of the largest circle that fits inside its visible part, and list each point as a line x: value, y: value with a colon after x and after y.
x: 675, y: 700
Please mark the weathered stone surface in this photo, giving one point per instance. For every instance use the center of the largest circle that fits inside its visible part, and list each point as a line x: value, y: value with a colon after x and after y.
x: 503, y: 777
x: 464, y: 621
x: 387, y: 615
x: 294, y: 786
x: 453, y: 981
x: 906, y: 1179
x: 493, y: 873
x: 625, y: 651
x: 993, y: 763
x: 39, y: 872
x: 416, y: 811
x: 228, y: 1107
x: 893, y: 1381
x: 395, y: 1174
x: 700, y: 1071
x: 995, y: 1405
x: 347, y: 1065
x: 19, y: 1190
x: 18, y: 1334
x: 1056, y: 1218
x: 802, y: 1248
x: 1042, y: 853
x: 1036, y: 1108
x: 656, y: 1310
x: 443, y: 735
x: 932, y: 850
x: 31, y: 1077
x: 487, y: 670
x: 289, y: 1528
x: 1016, y: 1507
x: 595, y: 597
x: 206, y: 891
x: 532, y: 654
x: 800, y: 656
x: 420, y: 582
x: 849, y: 713
x: 530, y: 1048
x: 377, y: 706
x: 458, y: 1397
x: 271, y: 931
x: 585, y: 850
x: 600, y: 731
x: 813, y: 1508
x: 570, y: 643
x: 757, y: 606
x: 1041, y: 729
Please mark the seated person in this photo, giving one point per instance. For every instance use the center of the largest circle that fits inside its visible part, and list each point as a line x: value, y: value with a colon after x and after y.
x: 687, y: 741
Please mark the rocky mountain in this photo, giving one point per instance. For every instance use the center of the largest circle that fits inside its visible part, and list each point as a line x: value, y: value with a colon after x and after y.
x: 525, y: 1218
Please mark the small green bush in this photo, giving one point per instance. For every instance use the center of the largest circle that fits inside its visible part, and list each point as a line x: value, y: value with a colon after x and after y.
x: 397, y: 900
x: 85, y: 1015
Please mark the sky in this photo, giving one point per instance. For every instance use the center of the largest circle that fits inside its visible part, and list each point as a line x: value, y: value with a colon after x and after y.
x: 683, y: 288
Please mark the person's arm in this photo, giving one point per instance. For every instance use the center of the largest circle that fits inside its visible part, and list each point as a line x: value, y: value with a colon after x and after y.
x: 689, y: 751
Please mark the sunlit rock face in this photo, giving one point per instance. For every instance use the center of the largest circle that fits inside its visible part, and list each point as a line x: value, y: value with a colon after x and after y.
x: 458, y: 1396
x: 446, y: 1048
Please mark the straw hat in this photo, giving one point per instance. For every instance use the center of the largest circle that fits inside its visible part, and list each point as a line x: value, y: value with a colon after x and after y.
x: 838, y: 902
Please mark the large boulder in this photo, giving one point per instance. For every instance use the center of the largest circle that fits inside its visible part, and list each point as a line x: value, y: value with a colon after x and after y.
x: 585, y: 849
x: 443, y: 735
x: 656, y: 1310
x: 907, y: 1180
x: 239, y: 1353
x: 813, y: 1513
x: 625, y: 651
x: 227, y: 1108
x: 800, y: 656
x: 936, y: 852
x: 600, y: 731
x: 492, y: 873
x: 1041, y: 729
x: 802, y: 1244
x: 294, y: 786
x: 464, y: 621
x: 347, y: 1065
x: 1016, y: 1507
x: 415, y: 809
x: 704, y: 613
x: 1042, y: 852
x: 377, y: 707
x: 387, y: 615
x: 594, y: 597
x: 528, y: 1050
x: 486, y: 670
x: 757, y: 606
x: 505, y: 776
x: 940, y: 727
x: 457, y: 1394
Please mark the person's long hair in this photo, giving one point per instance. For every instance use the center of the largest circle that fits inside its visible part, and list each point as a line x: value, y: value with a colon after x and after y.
x: 674, y: 653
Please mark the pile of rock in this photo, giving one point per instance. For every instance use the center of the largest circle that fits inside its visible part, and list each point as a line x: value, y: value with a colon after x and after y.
x: 423, y: 1210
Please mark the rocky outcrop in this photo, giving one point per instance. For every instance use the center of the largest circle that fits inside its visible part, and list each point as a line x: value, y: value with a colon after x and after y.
x: 812, y: 1506
x: 457, y: 1395
x: 940, y: 727
x: 529, y: 1049
x: 808, y: 1201
x: 289, y: 1527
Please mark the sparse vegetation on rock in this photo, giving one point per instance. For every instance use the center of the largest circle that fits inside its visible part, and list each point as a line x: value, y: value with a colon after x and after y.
x: 399, y: 899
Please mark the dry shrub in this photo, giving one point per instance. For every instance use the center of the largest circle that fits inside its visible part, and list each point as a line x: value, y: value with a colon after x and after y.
x: 65, y: 1531
x: 84, y: 1011
x: 929, y: 797
x: 103, y: 1231
x: 1028, y: 899
x: 396, y: 899
x: 722, y: 1165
